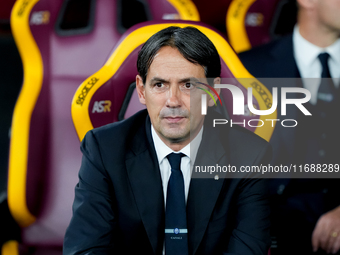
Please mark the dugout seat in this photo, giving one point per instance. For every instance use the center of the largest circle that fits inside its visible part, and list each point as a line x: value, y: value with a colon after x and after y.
x: 61, y: 43
x: 254, y: 22
x: 109, y: 95
x: 213, y: 14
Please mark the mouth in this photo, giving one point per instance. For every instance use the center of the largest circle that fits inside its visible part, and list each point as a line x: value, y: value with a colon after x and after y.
x: 174, y: 119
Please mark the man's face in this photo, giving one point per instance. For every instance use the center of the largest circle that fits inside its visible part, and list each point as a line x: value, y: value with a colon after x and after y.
x: 328, y: 14
x: 168, y: 95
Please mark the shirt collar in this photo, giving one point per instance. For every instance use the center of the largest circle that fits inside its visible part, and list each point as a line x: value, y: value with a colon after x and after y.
x: 334, y: 52
x: 162, y: 150
x: 307, y: 52
x: 304, y: 51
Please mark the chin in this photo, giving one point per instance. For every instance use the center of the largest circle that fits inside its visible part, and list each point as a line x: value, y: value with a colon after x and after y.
x: 176, y: 136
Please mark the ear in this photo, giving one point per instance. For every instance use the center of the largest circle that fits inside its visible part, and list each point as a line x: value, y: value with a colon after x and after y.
x: 211, y: 102
x: 140, y: 89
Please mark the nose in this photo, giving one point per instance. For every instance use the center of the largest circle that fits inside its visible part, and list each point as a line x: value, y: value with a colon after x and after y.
x: 174, y: 97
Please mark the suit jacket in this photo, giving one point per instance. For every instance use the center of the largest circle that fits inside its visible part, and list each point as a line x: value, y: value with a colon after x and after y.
x: 119, y: 203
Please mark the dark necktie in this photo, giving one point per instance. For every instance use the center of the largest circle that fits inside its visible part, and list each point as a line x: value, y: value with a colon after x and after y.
x: 176, y: 233
x: 327, y: 111
x: 327, y: 92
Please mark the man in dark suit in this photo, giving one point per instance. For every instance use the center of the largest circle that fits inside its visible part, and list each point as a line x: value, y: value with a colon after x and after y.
x: 306, y: 213
x: 136, y: 194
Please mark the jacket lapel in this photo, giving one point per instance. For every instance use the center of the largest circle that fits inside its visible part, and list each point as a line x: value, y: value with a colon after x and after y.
x: 203, y: 192
x: 144, y: 175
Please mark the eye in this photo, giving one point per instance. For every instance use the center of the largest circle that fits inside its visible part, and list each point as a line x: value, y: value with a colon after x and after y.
x: 188, y: 85
x: 158, y: 84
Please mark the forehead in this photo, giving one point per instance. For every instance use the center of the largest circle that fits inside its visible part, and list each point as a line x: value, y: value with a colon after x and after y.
x: 169, y: 63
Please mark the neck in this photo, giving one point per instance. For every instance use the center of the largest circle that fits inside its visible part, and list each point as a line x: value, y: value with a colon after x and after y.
x: 180, y: 144
x: 316, y: 33
x: 177, y: 146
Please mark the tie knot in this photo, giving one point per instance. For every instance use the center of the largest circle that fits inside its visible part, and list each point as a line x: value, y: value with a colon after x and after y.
x: 175, y: 160
x: 323, y: 57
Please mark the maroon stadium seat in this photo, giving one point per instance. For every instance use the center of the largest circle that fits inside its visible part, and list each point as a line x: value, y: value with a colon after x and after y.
x: 61, y: 43
x: 255, y: 22
x: 109, y: 95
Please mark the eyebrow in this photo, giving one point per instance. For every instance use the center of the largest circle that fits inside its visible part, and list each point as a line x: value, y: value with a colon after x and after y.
x: 157, y: 79
x: 154, y: 79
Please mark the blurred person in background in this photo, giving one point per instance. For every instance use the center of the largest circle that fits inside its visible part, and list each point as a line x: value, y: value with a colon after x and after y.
x: 306, y: 213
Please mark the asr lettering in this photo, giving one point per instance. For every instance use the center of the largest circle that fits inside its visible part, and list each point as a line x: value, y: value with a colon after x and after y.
x: 102, y: 106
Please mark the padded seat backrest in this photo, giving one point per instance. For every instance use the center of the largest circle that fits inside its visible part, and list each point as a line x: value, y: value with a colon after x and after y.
x: 255, y: 22
x: 61, y: 43
x: 109, y: 94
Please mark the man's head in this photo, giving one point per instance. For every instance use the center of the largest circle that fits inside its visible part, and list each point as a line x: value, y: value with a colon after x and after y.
x: 319, y: 19
x: 167, y: 63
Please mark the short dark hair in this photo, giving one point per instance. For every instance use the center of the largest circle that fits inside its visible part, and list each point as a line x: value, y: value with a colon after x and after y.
x: 190, y: 42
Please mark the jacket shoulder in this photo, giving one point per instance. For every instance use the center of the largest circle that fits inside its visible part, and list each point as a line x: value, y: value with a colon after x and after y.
x: 238, y: 141
x: 121, y: 129
x: 241, y: 134
x: 267, y: 60
x: 267, y: 50
x: 114, y: 138
x: 248, y: 148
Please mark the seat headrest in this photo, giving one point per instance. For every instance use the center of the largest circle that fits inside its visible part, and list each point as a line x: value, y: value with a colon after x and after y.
x: 100, y: 99
x: 254, y: 22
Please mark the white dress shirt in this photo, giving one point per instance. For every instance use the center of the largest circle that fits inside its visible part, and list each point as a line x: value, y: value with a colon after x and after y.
x: 308, y: 63
x: 187, y: 162
x: 190, y: 151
